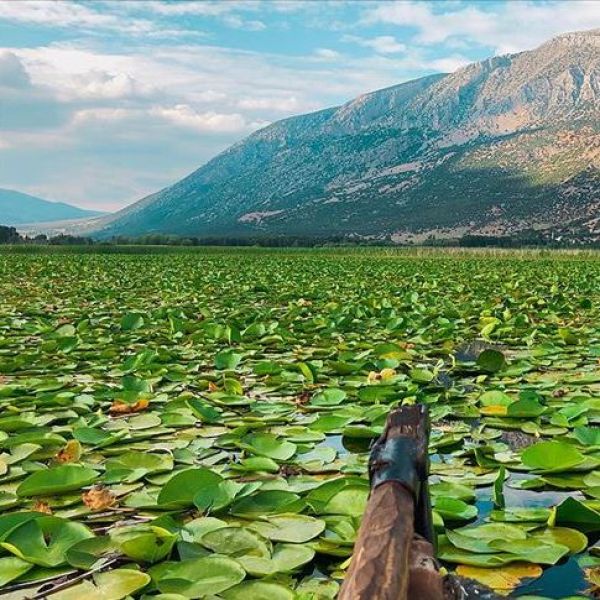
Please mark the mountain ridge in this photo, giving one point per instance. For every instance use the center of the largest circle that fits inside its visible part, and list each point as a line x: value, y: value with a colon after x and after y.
x: 17, y: 208
x: 470, y: 146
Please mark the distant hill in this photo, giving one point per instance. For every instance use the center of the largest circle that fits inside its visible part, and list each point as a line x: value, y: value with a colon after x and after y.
x: 17, y: 208
x: 507, y: 144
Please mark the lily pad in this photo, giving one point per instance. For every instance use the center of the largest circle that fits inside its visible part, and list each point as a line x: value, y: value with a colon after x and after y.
x: 264, y: 444
x: 144, y: 543
x: 57, y: 480
x: 285, y: 559
x: 258, y: 590
x: 181, y: 489
x: 290, y: 528
x: 12, y: 567
x: 503, y: 579
x: 267, y: 502
x: 553, y: 456
x: 236, y: 541
x: 109, y: 585
x: 199, y: 577
x: 44, y: 541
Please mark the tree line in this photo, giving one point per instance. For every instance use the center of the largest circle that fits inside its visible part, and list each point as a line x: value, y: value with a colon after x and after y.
x: 10, y: 235
x: 527, y: 238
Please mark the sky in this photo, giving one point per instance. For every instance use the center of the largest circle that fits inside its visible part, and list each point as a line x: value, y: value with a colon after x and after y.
x: 103, y: 102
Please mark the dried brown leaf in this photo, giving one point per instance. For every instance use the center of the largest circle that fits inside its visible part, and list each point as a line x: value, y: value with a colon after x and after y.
x: 99, y: 498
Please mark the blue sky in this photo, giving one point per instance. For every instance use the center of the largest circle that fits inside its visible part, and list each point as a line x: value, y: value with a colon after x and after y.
x: 103, y: 102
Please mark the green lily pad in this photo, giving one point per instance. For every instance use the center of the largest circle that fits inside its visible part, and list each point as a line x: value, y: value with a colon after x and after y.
x: 194, y: 530
x: 12, y: 567
x: 574, y: 540
x: 573, y: 513
x: 451, y: 554
x: 227, y: 359
x: 203, y: 410
x: 266, y: 503
x: 236, y: 541
x: 552, y: 456
x: 452, y: 490
x: 57, y: 480
x: 132, y: 466
x: 454, y: 509
x: 289, y: 528
x: 216, y: 497
x: 132, y: 321
x: 491, y: 360
x: 285, y: 559
x: 588, y: 436
x: 329, y: 397
x: 495, y: 398
x: 258, y: 590
x: 117, y: 584
x: 480, y: 539
x: 89, y: 551
x: 44, y: 541
x: 349, y: 501
x: 181, y: 489
x: 532, y: 550
x: 525, y: 408
x: 265, y: 444
x: 257, y: 464
x: 144, y: 543
x: 198, y: 577
x: 521, y: 515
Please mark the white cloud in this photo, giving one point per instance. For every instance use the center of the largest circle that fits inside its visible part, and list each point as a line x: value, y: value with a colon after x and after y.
x: 227, y: 12
x: 383, y: 44
x: 12, y: 72
x: 237, y: 22
x: 39, y: 140
x: 206, y: 8
x: 181, y: 115
x: 286, y: 105
x: 102, y: 85
x: 208, y: 96
x: 449, y: 64
x: 50, y: 13
x: 185, y: 116
x: 507, y: 27
x: 107, y: 157
x: 327, y: 54
x: 290, y: 6
x: 87, y: 115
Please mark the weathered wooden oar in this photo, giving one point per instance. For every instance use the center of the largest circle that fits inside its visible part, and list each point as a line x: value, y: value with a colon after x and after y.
x: 393, y: 556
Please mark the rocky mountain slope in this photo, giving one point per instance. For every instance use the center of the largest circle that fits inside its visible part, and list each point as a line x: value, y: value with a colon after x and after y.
x: 17, y: 208
x: 502, y: 145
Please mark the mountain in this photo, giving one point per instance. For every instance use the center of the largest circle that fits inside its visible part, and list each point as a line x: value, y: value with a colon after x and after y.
x: 507, y: 144
x: 17, y: 208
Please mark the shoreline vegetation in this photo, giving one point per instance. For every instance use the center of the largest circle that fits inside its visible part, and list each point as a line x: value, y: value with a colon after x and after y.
x: 405, y: 253
x: 523, y: 240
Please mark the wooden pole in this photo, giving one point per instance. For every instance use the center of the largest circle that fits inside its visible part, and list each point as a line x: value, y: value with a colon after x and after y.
x: 379, y: 566
x: 389, y: 562
x: 424, y: 580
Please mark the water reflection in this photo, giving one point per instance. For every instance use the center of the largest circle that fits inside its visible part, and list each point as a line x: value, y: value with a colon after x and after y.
x: 559, y: 581
x: 346, y: 445
x: 534, y: 498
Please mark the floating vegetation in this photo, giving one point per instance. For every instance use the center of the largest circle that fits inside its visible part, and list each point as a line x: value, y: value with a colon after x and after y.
x: 197, y: 424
